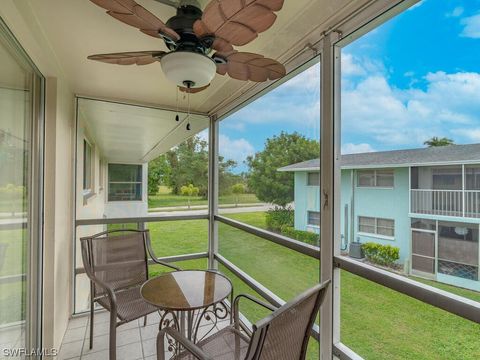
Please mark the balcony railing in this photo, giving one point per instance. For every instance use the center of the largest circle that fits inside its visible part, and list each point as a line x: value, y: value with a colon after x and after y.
x: 458, y: 203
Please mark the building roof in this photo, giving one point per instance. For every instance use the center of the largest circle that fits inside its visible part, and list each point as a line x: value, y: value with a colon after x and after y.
x: 444, y: 155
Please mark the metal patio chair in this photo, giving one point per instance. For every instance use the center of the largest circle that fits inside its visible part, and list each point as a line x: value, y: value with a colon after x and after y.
x: 116, y: 262
x: 282, y: 335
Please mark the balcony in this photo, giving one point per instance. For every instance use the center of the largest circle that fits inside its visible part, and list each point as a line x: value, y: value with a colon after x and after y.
x: 453, y: 203
x: 65, y: 119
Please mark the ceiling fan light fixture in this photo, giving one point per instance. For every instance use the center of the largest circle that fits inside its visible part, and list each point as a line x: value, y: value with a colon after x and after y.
x: 183, y: 67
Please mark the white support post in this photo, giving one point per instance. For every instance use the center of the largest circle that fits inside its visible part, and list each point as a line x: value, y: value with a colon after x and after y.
x: 330, y: 194
x: 212, y: 192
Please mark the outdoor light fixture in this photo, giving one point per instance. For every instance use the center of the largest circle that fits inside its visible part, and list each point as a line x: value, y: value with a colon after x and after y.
x: 462, y: 231
x: 188, y: 69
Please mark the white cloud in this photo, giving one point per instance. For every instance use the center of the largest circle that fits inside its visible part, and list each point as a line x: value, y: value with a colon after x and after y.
x: 470, y: 134
x: 377, y: 112
x: 235, y: 149
x: 456, y: 12
x: 351, y: 148
x: 308, y: 80
x: 471, y: 27
x: 351, y: 67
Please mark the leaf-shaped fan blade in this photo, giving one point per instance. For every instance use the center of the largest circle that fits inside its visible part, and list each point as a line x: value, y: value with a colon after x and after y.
x: 248, y: 66
x: 237, y: 21
x: 129, y: 58
x: 133, y: 14
x: 193, y: 90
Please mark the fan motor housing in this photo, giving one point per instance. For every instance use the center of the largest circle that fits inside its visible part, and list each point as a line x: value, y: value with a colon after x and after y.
x: 182, y: 23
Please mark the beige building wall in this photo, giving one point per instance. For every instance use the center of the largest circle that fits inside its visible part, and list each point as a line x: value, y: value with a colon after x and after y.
x: 88, y: 206
x: 58, y: 179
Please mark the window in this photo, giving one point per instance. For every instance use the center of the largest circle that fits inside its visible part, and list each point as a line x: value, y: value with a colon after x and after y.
x: 376, y: 226
x: 124, y: 182
x: 447, y: 178
x: 458, y: 250
x: 313, y: 179
x: 87, y: 166
x: 313, y: 218
x: 375, y: 178
x: 101, y: 174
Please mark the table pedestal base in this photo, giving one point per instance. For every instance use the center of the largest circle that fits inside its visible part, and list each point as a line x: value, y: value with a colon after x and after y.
x: 190, y: 322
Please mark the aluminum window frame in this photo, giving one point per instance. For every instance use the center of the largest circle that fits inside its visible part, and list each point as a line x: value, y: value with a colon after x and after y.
x: 36, y: 172
x: 375, y: 226
x: 88, y: 186
x: 375, y: 173
x: 141, y: 182
x: 317, y: 214
x: 313, y: 183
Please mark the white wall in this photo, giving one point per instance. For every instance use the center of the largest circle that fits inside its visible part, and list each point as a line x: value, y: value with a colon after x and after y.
x: 59, y: 157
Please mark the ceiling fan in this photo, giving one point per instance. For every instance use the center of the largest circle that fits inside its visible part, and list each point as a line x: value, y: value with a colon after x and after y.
x: 192, y: 34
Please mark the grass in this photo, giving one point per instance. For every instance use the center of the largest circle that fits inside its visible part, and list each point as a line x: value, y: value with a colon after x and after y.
x: 376, y: 322
x: 165, y: 199
x: 13, y: 206
x: 12, y: 295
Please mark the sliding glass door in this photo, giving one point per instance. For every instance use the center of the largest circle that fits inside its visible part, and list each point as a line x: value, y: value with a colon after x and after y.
x: 20, y: 200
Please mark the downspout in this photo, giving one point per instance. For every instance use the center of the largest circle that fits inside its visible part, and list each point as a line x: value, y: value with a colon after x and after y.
x: 352, y: 206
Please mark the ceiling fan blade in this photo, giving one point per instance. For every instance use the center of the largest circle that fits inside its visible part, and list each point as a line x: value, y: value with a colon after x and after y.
x: 193, y: 90
x: 129, y: 58
x: 133, y: 14
x: 248, y: 66
x: 222, y: 45
x: 237, y: 21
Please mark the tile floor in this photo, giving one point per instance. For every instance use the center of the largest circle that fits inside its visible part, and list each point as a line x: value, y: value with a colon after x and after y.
x: 11, y: 337
x: 134, y: 341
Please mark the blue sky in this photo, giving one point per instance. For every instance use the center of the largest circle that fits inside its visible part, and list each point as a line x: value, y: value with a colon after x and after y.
x: 416, y: 76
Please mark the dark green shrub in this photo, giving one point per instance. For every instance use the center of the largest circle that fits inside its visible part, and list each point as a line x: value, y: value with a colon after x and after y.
x: 278, y: 217
x: 381, y: 254
x: 303, y: 236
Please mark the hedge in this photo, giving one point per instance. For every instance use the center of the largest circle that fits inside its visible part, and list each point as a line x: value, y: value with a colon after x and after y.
x: 380, y: 254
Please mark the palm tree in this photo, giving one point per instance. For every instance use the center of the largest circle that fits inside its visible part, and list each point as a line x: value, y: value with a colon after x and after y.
x: 436, y: 141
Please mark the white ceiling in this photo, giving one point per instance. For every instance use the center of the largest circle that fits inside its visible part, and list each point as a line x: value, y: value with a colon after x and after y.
x: 74, y: 29
x: 78, y: 28
x: 132, y: 134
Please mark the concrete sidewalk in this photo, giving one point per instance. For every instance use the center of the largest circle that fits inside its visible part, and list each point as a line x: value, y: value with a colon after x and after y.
x: 205, y: 206
x: 204, y: 211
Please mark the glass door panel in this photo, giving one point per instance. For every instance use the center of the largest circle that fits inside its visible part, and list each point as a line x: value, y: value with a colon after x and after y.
x: 18, y: 100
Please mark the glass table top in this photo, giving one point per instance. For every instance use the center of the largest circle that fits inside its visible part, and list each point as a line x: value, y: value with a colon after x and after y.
x: 186, y: 290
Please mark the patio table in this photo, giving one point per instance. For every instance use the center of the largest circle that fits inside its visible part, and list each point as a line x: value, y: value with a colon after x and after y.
x: 187, y: 298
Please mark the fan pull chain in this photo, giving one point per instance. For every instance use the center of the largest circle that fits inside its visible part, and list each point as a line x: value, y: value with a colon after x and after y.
x: 188, y: 112
x: 177, y: 118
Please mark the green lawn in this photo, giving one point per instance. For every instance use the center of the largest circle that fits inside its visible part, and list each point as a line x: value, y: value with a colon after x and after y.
x: 168, y: 200
x: 376, y: 322
x: 12, y: 206
x: 12, y: 295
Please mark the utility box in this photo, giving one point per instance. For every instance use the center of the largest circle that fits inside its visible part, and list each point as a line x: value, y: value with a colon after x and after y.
x: 356, y: 251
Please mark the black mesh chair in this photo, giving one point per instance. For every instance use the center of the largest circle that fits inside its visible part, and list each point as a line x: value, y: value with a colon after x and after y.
x: 283, y: 335
x: 116, y: 262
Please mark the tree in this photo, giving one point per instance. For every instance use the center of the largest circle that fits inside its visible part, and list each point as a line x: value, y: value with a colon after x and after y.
x: 238, y: 189
x: 189, y: 165
x: 159, y: 171
x: 269, y: 184
x: 436, y: 141
x: 189, y: 191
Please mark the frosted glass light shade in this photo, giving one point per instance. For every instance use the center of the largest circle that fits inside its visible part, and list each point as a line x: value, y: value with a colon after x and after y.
x: 182, y: 66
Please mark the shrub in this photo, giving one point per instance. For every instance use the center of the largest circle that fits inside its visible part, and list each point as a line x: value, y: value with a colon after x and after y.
x: 381, y: 254
x: 303, y: 236
x: 278, y: 217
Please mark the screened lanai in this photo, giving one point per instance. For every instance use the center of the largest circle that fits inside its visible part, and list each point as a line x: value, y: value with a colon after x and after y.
x: 91, y: 131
